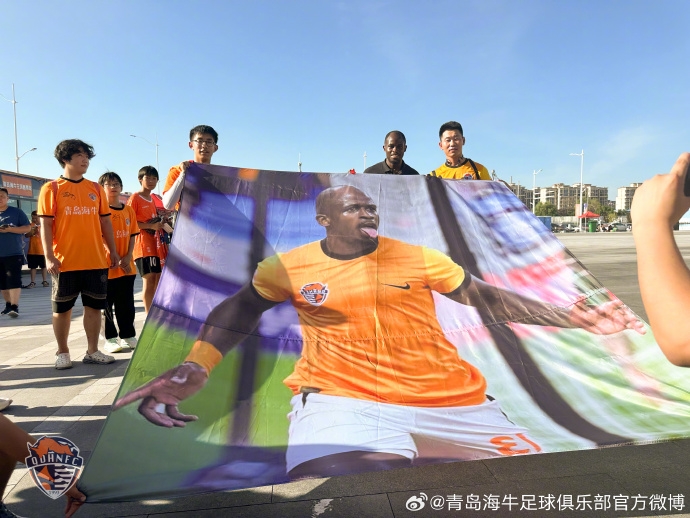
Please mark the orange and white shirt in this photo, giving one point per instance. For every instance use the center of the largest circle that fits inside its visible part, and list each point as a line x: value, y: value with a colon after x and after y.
x: 369, y: 324
x: 146, y: 244
x: 76, y: 208
x: 173, y: 174
x: 35, y: 244
x: 124, y: 227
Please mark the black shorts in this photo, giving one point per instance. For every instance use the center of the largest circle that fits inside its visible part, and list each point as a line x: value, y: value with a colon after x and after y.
x: 11, y: 272
x: 92, y: 284
x: 36, y: 261
x: 147, y: 265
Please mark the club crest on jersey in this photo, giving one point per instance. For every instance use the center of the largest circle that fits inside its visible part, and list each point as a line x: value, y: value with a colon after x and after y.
x: 54, y: 464
x: 127, y: 221
x: 92, y: 196
x: 315, y: 293
x: 468, y: 176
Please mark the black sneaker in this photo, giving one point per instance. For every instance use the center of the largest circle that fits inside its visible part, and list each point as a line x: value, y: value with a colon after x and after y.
x: 8, y: 308
x: 14, y: 311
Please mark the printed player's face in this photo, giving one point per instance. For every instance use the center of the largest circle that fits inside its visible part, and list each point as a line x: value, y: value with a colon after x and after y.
x: 354, y: 216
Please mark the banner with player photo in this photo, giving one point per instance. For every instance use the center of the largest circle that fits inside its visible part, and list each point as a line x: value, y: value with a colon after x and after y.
x: 318, y: 324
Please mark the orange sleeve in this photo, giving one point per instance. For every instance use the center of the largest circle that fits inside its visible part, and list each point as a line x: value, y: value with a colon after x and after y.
x: 172, y: 176
x: 443, y: 275
x: 103, y: 208
x: 271, y: 281
x: 46, y: 206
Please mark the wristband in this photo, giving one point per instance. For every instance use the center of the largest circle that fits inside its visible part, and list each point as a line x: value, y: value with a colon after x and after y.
x: 204, y: 354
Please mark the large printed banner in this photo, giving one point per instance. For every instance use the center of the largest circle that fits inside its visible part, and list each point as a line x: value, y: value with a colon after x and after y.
x: 322, y: 324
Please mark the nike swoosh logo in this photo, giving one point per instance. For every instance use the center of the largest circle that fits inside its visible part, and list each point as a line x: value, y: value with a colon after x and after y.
x: 406, y: 287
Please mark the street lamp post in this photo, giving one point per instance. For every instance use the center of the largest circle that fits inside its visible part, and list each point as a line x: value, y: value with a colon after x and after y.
x: 534, y: 190
x: 24, y: 153
x: 156, y: 146
x: 582, y: 166
x: 16, y: 147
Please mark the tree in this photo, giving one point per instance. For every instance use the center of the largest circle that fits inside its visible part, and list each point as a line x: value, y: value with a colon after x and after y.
x: 545, y: 209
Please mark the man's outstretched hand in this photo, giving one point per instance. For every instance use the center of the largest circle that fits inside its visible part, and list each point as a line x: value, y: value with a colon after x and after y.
x: 168, y: 389
x: 605, y: 319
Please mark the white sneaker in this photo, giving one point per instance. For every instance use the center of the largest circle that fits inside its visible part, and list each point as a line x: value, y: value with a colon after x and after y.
x: 4, y: 403
x: 131, y: 342
x: 62, y: 361
x: 112, y: 345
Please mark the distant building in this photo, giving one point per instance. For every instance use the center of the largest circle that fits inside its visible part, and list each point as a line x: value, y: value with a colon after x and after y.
x: 23, y: 190
x: 625, y: 196
x: 523, y: 194
x: 567, y: 197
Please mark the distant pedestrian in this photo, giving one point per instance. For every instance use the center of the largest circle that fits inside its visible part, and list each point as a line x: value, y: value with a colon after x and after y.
x: 121, y: 278
x: 35, y: 256
x: 13, y: 224
x: 75, y: 221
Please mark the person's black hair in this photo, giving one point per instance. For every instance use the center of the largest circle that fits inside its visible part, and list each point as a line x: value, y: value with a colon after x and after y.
x: 66, y: 149
x: 450, y: 125
x: 201, y: 130
x: 147, y: 170
x: 395, y: 132
x: 5, y: 191
x: 109, y: 176
x: 34, y: 213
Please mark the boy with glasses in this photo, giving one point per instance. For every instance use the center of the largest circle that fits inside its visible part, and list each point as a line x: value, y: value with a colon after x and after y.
x: 203, y: 140
x: 120, y: 279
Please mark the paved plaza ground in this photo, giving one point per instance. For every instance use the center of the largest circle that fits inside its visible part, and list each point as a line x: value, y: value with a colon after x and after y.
x: 75, y: 403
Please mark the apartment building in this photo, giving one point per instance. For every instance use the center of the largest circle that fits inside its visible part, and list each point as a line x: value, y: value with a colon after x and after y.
x: 625, y: 196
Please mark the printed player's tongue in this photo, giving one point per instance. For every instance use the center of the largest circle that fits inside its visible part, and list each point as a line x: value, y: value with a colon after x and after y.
x: 371, y: 232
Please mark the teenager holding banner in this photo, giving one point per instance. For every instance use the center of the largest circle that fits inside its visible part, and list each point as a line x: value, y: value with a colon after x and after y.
x: 377, y: 381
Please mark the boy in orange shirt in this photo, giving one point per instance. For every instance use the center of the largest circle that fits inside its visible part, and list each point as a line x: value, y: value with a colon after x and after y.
x: 146, y: 255
x: 203, y: 140
x: 35, y: 257
x: 120, y: 279
x: 75, y: 222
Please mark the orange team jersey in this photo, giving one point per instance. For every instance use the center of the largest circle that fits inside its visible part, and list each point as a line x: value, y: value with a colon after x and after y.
x: 369, y: 324
x: 35, y: 245
x: 145, y: 210
x: 173, y: 175
x: 462, y: 172
x: 76, y: 209
x: 124, y: 227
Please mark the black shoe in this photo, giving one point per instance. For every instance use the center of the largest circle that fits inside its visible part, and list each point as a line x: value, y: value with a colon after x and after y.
x: 14, y: 311
x: 8, y: 308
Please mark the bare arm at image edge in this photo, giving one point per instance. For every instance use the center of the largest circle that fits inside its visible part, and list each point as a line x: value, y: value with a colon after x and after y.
x: 663, y: 275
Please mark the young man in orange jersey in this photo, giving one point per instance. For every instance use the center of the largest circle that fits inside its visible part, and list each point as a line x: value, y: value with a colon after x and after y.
x: 35, y: 257
x: 75, y: 221
x: 120, y: 279
x: 457, y: 166
x: 203, y: 140
x: 373, y: 389
x: 146, y: 253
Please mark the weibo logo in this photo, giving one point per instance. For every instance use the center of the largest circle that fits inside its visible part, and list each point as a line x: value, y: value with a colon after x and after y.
x: 315, y: 293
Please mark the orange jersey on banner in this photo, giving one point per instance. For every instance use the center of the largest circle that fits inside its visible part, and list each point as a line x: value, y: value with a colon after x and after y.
x: 124, y: 227
x: 369, y: 324
x: 76, y: 208
x: 145, y: 210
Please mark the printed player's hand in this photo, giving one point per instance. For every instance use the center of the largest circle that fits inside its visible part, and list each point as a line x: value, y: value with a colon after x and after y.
x: 168, y: 389
x: 605, y: 319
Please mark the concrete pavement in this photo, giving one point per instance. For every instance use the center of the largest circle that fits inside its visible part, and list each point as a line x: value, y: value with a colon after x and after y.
x: 74, y: 404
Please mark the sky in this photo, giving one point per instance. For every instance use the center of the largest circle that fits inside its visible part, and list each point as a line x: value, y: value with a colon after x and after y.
x: 530, y: 81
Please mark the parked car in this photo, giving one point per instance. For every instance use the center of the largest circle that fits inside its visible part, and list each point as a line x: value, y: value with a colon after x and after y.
x: 619, y: 227
x: 556, y: 228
